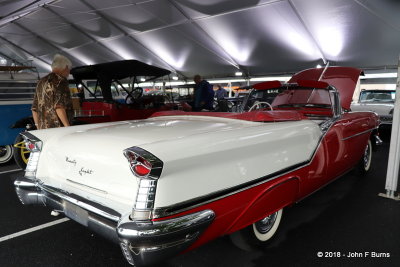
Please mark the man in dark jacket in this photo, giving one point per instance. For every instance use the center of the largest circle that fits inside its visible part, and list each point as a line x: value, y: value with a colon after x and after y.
x: 203, y: 94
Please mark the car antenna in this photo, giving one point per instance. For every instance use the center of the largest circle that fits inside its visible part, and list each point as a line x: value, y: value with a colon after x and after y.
x: 323, y: 72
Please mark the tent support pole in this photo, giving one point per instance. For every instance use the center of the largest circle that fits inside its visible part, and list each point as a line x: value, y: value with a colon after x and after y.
x: 392, y: 174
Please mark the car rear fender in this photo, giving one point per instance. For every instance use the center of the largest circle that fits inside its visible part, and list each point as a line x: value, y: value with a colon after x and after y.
x: 274, y: 197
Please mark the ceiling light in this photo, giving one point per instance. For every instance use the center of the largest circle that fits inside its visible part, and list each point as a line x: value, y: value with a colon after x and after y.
x: 319, y: 66
x: 238, y: 73
x: 272, y: 78
x: 175, y: 78
x: 379, y: 75
x: 142, y: 79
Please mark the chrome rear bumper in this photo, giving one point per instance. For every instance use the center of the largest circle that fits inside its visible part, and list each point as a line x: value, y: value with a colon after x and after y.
x: 141, y: 243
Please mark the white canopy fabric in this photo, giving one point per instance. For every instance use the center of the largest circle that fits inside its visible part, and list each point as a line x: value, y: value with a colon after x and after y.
x: 214, y: 38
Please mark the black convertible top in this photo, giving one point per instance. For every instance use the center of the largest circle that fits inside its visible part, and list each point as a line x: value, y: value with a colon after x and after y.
x: 117, y: 70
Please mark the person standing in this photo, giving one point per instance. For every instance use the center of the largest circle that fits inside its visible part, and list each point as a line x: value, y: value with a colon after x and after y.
x: 220, y: 93
x: 203, y: 94
x: 52, y: 103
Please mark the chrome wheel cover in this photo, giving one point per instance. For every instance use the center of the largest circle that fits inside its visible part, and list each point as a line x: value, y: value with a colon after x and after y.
x: 367, y: 157
x: 264, y: 226
x: 6, y: 153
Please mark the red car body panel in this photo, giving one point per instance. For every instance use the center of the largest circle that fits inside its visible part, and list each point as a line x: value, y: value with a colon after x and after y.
x: 265, y: 116
x: 344, y: 79
x: 97, y: 112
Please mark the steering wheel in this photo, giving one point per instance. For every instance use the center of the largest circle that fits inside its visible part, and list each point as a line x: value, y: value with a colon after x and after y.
x: 134, y: 95
x: 258, y: 105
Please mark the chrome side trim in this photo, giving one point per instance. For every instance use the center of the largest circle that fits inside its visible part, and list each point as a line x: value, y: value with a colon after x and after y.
x: 357, y: 134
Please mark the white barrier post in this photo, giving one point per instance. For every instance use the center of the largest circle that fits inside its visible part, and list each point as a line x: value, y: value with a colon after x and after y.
x: 392, y: 174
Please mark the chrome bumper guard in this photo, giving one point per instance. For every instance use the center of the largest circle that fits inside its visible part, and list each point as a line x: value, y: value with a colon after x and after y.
x: 378, y: 140
x: 141, y: 243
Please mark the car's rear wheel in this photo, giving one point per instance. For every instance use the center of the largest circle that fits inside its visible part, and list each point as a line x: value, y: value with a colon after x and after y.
x: 6, y: 153
x: 21, y: 153
x: 364, y: 164
x: 258, y: 233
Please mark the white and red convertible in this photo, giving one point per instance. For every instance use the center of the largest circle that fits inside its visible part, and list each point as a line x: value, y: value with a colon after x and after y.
x: 170, y: 183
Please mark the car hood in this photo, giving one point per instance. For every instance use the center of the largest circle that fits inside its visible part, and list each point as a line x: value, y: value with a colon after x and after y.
x: 344, y: 79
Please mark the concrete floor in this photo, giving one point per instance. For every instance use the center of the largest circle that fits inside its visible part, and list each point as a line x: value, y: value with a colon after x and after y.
x: 346, y: 217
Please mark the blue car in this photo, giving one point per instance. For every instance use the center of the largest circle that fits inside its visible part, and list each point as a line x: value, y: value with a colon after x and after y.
x: 16, y: 94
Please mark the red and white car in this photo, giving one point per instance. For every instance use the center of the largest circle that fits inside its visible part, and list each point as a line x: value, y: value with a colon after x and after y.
x: 172, y: 182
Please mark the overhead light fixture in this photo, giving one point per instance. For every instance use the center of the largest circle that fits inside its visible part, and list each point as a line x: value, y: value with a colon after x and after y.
x: 270, y: 78
x: 142, y: 79
x: 379, y: 75
x: 175, y: 78
x: 238, y: 73
x: 319, y: 66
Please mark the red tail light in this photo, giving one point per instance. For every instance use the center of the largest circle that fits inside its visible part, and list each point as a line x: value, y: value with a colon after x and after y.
x: 140, y: 166
x: 141, y: 170
x: 31, y: 146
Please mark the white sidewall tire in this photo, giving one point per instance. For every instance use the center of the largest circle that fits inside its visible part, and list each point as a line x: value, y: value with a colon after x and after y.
x: 8, y: 155
x: 369, y: 147
x: 270, y: 233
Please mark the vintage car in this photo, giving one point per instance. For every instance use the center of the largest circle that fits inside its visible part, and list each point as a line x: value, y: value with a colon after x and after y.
x: 17, y: 85
x: 102, y: 101
x: 379, y: 101
x: 168, y: 184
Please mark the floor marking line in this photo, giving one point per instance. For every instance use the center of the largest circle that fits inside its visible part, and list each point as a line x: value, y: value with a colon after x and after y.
x: 33, y: 229
x: 15, y: 170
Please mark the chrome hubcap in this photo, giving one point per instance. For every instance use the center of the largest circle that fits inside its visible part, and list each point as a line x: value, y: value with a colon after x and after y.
x: 3, y: 151
x: 264, y: 226
x: 366, y: 157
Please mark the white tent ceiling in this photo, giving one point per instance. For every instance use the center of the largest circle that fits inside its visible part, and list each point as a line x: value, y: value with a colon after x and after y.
x: 210, y: 37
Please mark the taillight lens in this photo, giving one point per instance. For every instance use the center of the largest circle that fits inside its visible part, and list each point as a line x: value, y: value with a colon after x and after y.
x: 34, y: 145
x: 141, y: 170
x: 139, y: 166
x: 31, y: 146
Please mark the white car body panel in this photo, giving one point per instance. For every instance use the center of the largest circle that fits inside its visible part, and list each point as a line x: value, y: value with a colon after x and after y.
x: 381, y: 109
x: 108, y: 180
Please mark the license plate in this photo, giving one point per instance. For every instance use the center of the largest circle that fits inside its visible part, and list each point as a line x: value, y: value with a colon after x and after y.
x: 76, y: 213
